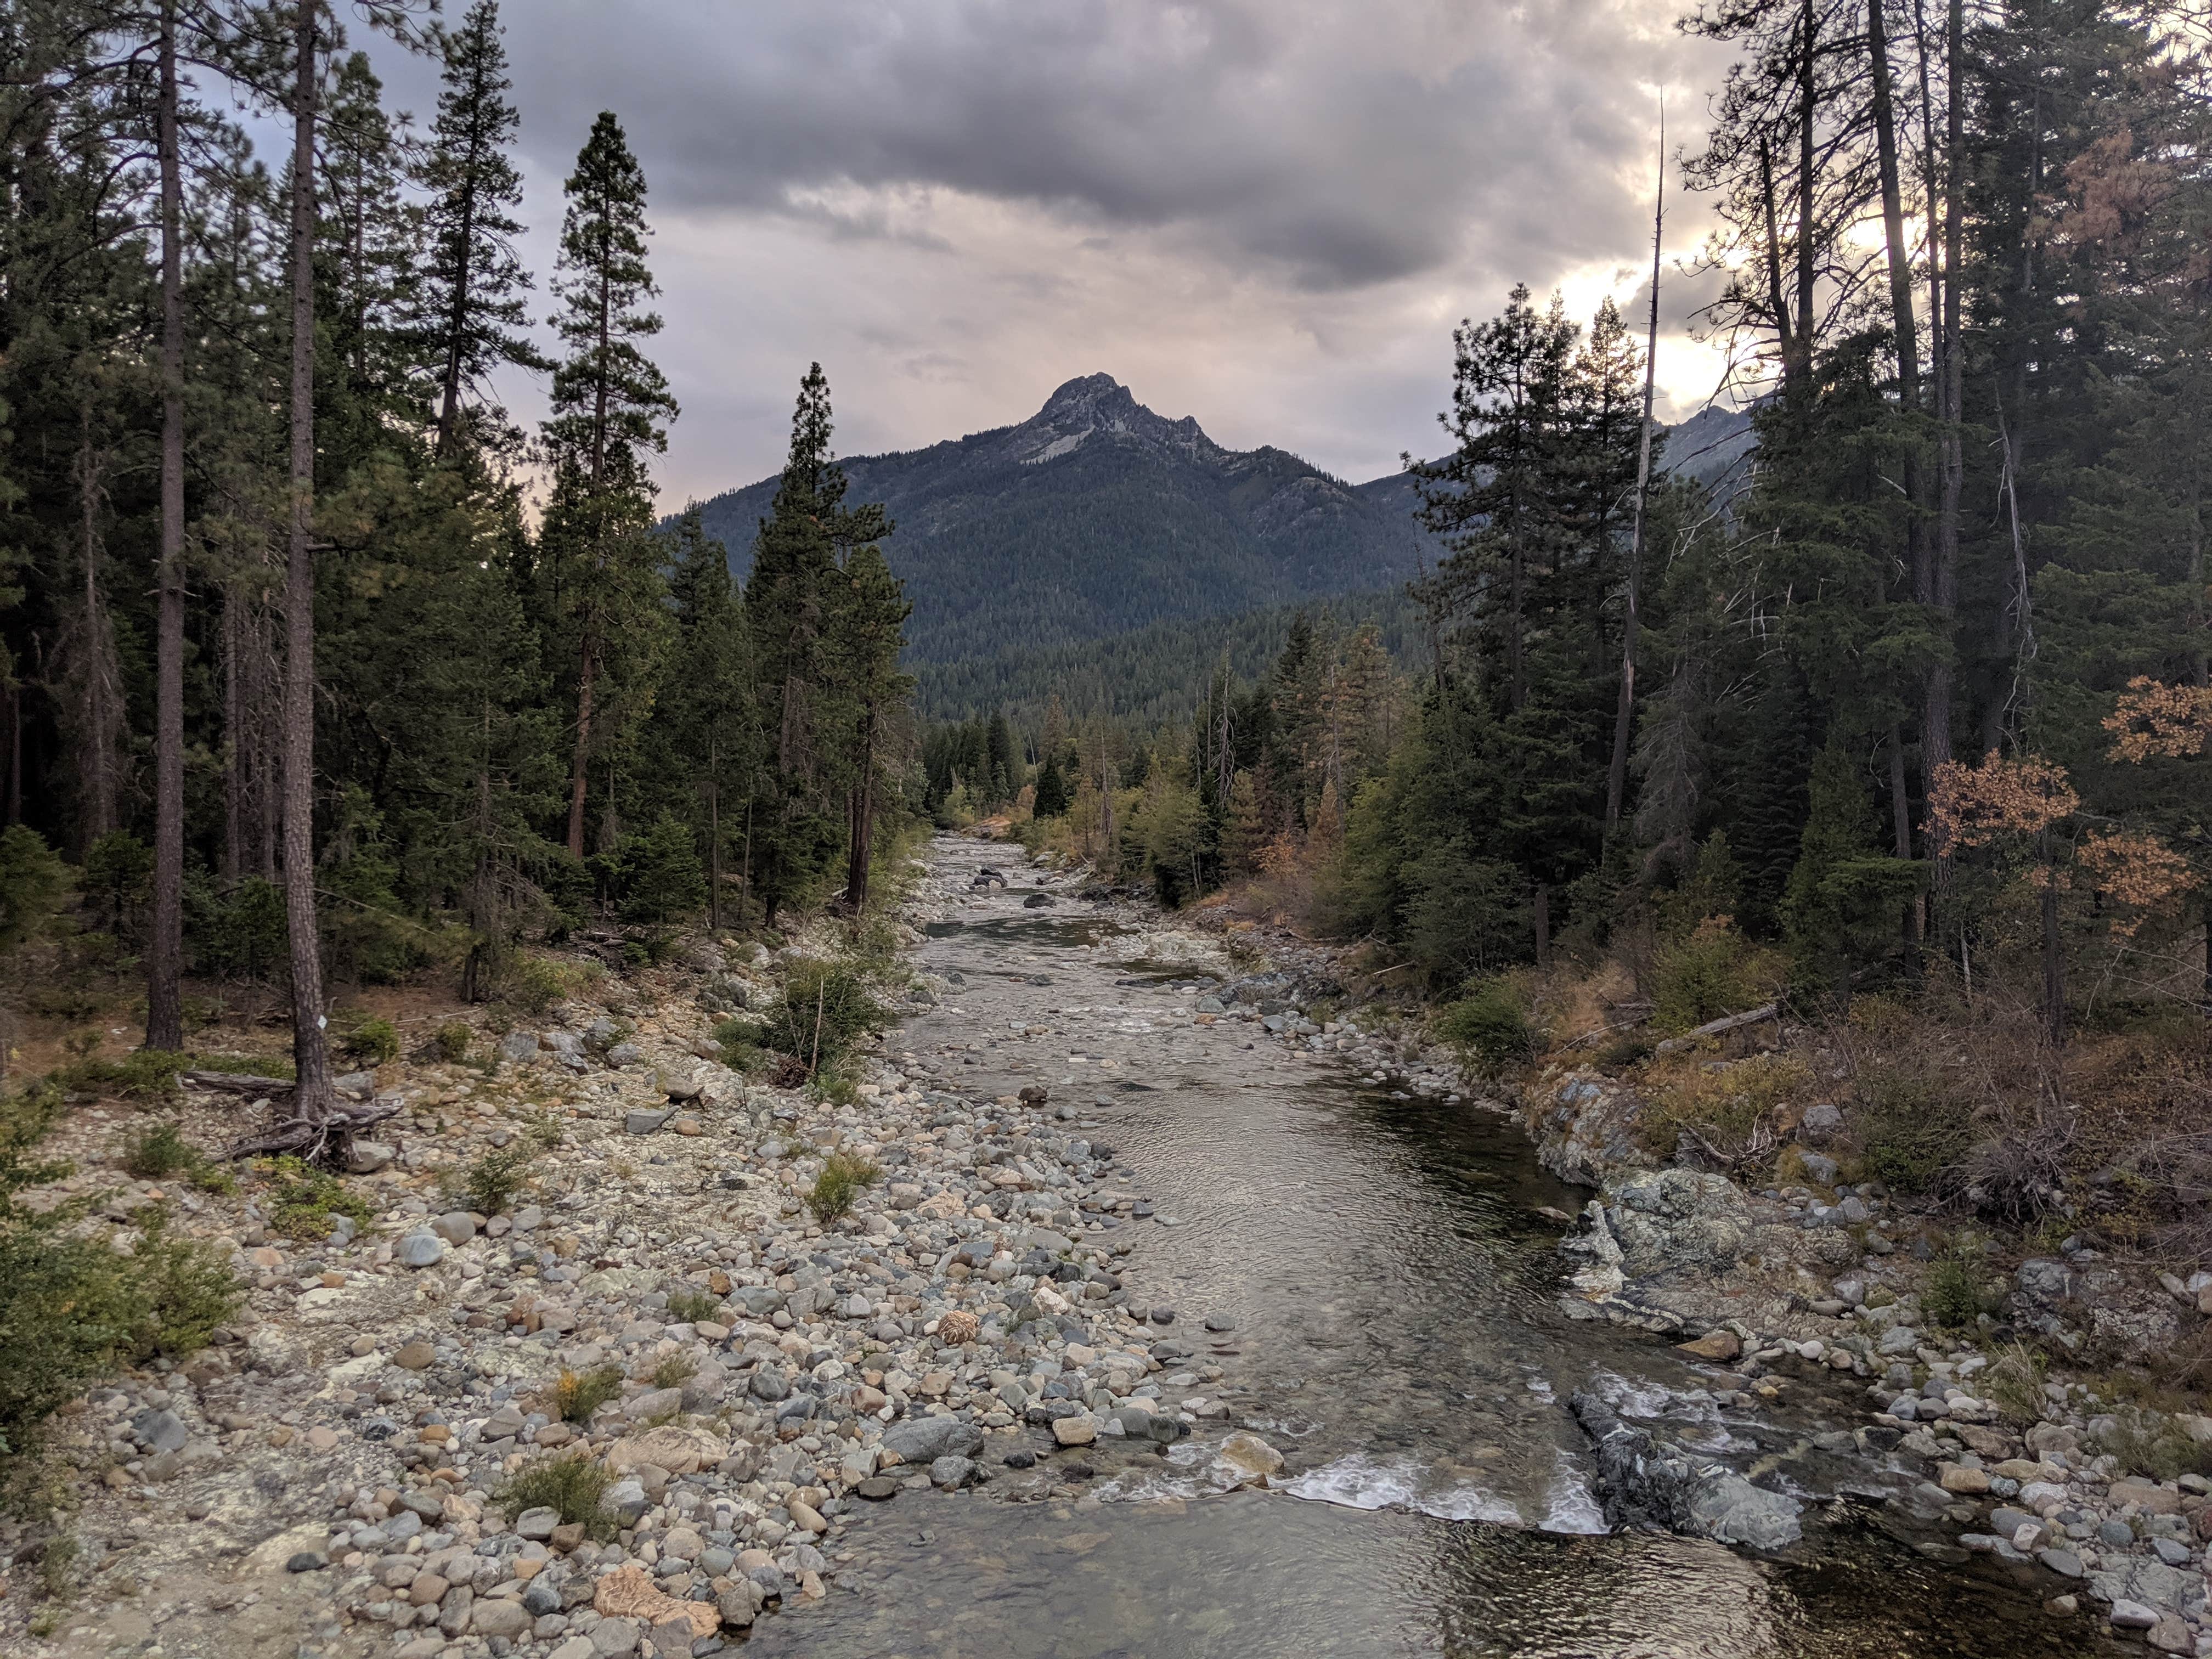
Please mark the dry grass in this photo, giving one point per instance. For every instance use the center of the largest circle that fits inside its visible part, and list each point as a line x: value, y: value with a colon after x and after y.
x: 1734, y: 1111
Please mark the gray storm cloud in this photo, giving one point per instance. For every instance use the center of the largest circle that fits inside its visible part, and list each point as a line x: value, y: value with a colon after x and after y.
x: 1318, y: 189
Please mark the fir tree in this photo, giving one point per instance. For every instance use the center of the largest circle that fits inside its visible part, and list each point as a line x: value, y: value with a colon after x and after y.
x: 473, y: 303
x: 609, y: 406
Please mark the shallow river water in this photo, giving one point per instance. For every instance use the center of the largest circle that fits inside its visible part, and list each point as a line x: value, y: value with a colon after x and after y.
x: 1393, y: 1290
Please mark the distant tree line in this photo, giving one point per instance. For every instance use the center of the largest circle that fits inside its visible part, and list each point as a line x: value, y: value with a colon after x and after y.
x: 1926, y: 683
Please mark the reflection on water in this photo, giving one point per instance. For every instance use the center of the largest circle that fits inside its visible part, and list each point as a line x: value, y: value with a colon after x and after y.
x: 1254, y: 1574
x: 1393, y: 1293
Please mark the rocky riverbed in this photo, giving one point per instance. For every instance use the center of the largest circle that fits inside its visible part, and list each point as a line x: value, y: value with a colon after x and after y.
x: 1155, y: 1254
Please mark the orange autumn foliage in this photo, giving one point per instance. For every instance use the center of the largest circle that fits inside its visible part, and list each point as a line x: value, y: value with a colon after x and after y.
x: 2154, y: 718
x: 2140, y: 871
x: 1972, y: 806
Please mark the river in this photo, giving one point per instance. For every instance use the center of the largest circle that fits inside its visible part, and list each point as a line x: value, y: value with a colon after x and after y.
x: 1388, y: 1290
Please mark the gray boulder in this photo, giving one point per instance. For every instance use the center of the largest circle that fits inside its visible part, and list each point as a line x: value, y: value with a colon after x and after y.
x: 1678, y: 1221
x: 518, y: 1045
x: 1646, y: 1481
x: 925, y: 1439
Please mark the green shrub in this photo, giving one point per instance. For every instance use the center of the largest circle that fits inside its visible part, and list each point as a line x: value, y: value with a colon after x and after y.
x: 675, y: 1371
x: 158, y: 1152
x: 184, y: 1288
x: 822, y: 1014
x: 32, y: 884
x: 575, y: 1485
x: 576, y: 1395
x: 689, y: 1307
x: 451, y: 1044
x: 1714, y: 972
x: 118, y: 874
x: 740, y: 1039
x: 843, y: 1178
x: 543, y: 1131
x: 657, y: 873
x: 72, y: 1308
x: 142, y: 1074
x: 1910, y: 1128
x: 1956, y: 1291
x: 301, y: 1199
x: 237, y: 934
x: 529, y: 982
x: 492, y: 1181
x: 2013, y: 1384
x: 370, y: 1041
x: 2152, y: 1444
x: 1488, y: 1025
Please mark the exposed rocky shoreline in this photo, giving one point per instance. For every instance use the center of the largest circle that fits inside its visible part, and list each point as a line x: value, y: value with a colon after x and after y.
x: 333, y: 1471
x: 1798, y: 1284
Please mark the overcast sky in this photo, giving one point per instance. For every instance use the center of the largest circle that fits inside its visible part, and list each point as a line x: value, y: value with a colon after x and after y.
x: 1266, y: 214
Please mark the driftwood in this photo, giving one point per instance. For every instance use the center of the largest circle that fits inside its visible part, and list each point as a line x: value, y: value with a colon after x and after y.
x: 323, y: 1134
x: 1714, y: 1028
x: 323, y: 1131
x: 238, y: 1083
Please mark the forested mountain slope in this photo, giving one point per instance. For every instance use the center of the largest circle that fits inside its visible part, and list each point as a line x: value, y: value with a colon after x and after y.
x: 1097, y: 517
x: 1152, y: 674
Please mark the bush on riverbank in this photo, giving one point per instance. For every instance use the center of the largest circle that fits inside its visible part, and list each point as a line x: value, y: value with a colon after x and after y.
x: 1489, y: 1026
x: 73, y: 1306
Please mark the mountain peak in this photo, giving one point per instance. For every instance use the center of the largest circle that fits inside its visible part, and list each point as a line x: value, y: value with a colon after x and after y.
x: 1099, y: 403
x: 1087, y: 395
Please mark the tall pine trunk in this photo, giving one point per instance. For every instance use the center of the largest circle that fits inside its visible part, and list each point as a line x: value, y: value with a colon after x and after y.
x: 1624, y: 714
x: 581, y: 764
x: 165, y: 946
x: 311, y: 1094
x: 858, y: 855
x: 1943, y: 588
x: 449, y: 407
x: 1808, y: 94
x: 1903, y: 325
x: 99, y: 714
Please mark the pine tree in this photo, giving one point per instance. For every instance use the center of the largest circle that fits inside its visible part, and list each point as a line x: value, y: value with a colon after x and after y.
x: 473, y: 303
x: 609, y: 406
x: 705, y: 712
x: 369, y: 236
x: 798, y: 828
x: 867, y: 624
x: 1051, y: 790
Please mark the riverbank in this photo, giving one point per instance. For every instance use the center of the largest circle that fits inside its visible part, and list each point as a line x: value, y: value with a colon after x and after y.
x: 1229, y: 1242
x: 2094, y: 1496
x: 394, y: 1446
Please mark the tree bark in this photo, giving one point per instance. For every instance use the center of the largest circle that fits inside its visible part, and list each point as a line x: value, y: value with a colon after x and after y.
x: 1943, y: 590
x: 583, y: 756
x: 164, y: 945
x: 1616, y: 776
x: 858, y: 855
x: 311, y: 1096
x: 1808, y: 94
x: 100, y: 684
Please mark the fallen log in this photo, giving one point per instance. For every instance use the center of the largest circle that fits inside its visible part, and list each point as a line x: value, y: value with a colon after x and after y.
x: 238, y: 1083
x: 1728, y: 1023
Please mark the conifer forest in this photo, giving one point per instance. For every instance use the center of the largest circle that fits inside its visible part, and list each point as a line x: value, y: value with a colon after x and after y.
x: 1787, y: 809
